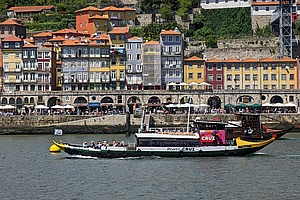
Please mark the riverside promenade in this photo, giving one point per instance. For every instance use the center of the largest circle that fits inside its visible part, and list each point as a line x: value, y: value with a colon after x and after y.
x: 74, y: 124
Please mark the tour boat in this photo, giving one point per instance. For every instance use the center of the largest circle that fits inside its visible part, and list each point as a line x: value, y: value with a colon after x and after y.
x: 248, y: 126
x: 210, y: 140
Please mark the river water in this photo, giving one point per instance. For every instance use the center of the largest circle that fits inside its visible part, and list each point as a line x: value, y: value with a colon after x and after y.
x: 29, y: 171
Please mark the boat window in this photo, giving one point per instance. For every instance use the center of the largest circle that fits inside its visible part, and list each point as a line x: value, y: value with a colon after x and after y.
x: 168, y: 142
x: 210, y: 126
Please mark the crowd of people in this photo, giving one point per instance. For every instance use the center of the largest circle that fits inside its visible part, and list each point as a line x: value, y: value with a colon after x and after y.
x: 101, y: 144
x: 226, y: 110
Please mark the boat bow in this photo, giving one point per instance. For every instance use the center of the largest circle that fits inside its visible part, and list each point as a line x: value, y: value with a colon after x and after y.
x: 60, y: 145
x: 247, y: 144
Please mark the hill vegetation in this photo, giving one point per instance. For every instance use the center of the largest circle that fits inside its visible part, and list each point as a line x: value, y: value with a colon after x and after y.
x: 230, y: 23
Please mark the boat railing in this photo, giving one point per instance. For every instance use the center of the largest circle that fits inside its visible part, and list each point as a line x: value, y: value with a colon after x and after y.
x: 170, y: 131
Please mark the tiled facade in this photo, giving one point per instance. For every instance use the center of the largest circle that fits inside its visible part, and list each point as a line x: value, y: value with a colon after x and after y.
x: 12, y: 63
x: 194, y: 72
x: 134, y: 63
x: 171, y: 56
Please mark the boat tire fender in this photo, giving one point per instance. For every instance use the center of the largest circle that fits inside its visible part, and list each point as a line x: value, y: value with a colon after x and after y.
x: 108, y: 152
x: 124, y: 153
x: 181, y: 153
x: 139, y: 151
x: 226, y: 152
x: 200, y: 153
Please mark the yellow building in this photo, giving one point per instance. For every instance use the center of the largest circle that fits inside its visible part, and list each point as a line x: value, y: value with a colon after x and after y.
x: 194, y: 71
x: 266, y: 73
x: 12, y: 64
x: 99, y: 67
x: 100, y: 24
x: 279, y: 74
x: 119, y: 16
x: 118, y: 38
x: 233, y: 73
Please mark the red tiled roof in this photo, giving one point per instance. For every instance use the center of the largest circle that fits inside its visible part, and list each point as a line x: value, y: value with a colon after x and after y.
x: 135, y: 38
x: 127, y: 8
x: 57, y: 39
x: 101, y: 37
x: 152, y: 42
x: 98, y: 17
x: 113, y: 8
x: 11, y: 38
x: 90, y: 8
x: 43, y: 34
x: 193, y: 58
x: 267, y: 60
x: 170, y: 32
x: 47, y: 44
x: 10, y: 22
x: 64, y: 31
x: 73, y: 42
x: 214, y: 60
x: 30, y: 8
x: 29, y: 45
x: 250, y: 60
x: 273, y: 3
x: 232, y: 60
x: 288, y: 59
x: 29, y: 40
x: 119, y: 30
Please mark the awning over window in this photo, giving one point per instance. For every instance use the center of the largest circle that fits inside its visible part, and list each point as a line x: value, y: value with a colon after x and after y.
x: 94, y: 104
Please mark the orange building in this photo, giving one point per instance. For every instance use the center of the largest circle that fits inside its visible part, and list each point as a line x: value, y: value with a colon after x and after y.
x: 92, y: 20
x: 82, y: 19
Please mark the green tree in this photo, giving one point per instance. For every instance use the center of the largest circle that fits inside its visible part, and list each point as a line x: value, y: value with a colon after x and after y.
x: 211, y: 41
x: 165, y: 11
x: 185, y: 6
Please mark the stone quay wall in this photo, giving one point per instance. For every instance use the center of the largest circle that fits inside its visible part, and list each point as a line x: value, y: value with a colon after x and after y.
x: 115, y: 123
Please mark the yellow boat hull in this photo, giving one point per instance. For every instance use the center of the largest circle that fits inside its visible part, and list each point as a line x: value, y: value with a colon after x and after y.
x: 54, y: 148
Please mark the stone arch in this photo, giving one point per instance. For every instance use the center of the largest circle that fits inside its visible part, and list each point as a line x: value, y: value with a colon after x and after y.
x: 133, y: 103
x: 26, y: 100
x: 4, y: 101
x: 134, y: 99
x: 214, y: 102
x: 19, y: 103
x: 52, y: 101
x: 79, y: 100
x: 11, y: 101
x: 245, y: 99
x: 154, y: 99
x: 186, y: 99
x: 107, y: 100
x: 276, y: 99
x: 31, y: 100
x: 168, y: 99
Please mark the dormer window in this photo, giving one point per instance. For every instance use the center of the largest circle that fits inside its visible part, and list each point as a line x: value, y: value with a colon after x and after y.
x: 6, y: 45
x: 17, y: 44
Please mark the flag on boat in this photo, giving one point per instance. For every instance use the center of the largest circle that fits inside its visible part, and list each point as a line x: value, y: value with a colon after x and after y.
x: 58, y: 132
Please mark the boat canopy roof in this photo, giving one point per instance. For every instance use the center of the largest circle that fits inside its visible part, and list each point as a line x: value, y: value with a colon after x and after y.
x: 166, y: 136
